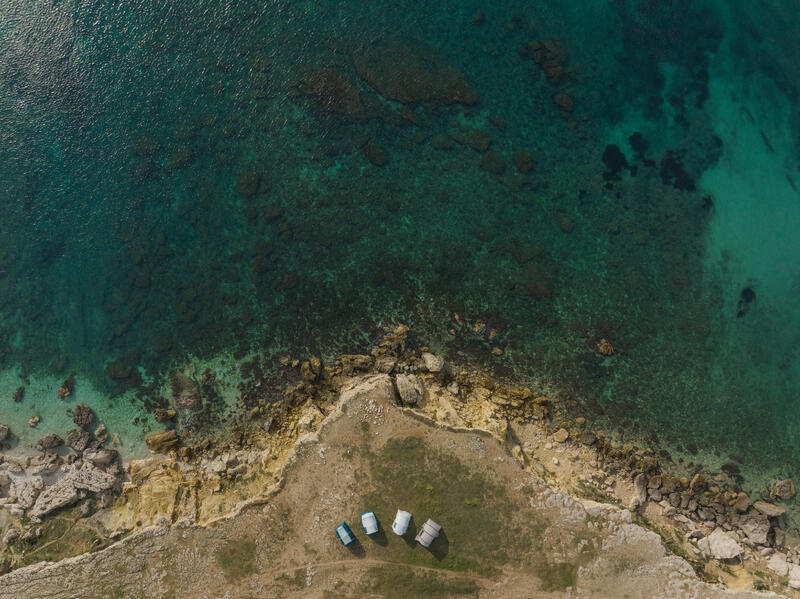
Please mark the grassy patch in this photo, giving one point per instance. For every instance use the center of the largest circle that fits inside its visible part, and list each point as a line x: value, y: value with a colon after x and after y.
x: 476, y: 514
x: 297, y: 581
x: 237, y: 558
x: 556, y: 577
x: 402, y: 582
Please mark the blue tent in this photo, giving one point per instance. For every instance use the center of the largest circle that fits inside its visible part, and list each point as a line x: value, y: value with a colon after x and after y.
x: 345, y: 535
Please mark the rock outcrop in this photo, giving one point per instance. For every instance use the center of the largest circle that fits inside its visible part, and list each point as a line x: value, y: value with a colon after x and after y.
x: 162, y: 442
x: 71, y: 487
x: 409, y: 388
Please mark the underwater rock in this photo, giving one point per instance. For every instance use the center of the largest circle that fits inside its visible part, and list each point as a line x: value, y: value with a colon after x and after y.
x: 18, y: 394
x: 162, y: 442
x: 4, y: 432
x: 784, y: 489
x: 78, y: 439
x: 411, y: 74
x: 409, y: 388
x: 747, y: 297
x: 82, y: 416
x: 247, y: 183
x: 564, y: 222
x: 33, y: 421
x: 145, y: 145
x: 332, y: 92
x: 479, y: 140
x: 185, y: 391
x: 550, y: 56
x: 375, y: 153
x: 442, y: 141
x: 163, y: 414
x: 67, y: 387
x: 478, y: 18
x: 523, y: 160
x: 493, y: 162
x: 118, y: 369
x: 615, y: 162
x: 50, y: 441
x: 673, y: 172
x: 564, y: 102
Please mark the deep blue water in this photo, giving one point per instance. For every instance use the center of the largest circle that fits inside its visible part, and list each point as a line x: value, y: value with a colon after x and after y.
x: 185, y: 179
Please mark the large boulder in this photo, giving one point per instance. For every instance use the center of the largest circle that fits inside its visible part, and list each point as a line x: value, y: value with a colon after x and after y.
x: 769, y: 509
x: 82, y: 416
x: 719, y: 545
x: 162, y: 442
x: 411, y: 74
x: 48, y: 442
x: 784, y: 489
x: 409, y: 388
x: 71, y: 487
x: 756, y: 527
x: 79, y: 439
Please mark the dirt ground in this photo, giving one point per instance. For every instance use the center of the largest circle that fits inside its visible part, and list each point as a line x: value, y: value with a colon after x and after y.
x: 506, y: 534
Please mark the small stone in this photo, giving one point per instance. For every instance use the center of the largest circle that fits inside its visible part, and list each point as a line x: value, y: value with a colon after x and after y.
x: 33, y: 421
x: 67, y: 387
x: 588, y: 437
x: 164, y: 414
x: 306, y: 372
x: 784, y: 489
x: 12, y: 534
x: 580, y: 421
x: 497, y: 351
x: 742, y: 503
x: 385, y: 364
x: 769, y: 509
x: 18, y: 393
x: 4, y: 432
x: 698, y: 482
x: 442, y: 141
x: 432, y: 362
x: 561, y: 435
x: 639, y: 491
x: 478, y: 18
x: 555, y: 461
x: 83, y: 416
x: 564, y: 102
x: 564, y: 222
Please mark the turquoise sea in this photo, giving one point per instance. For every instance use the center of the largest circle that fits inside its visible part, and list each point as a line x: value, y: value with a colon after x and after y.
x: 192, y: 185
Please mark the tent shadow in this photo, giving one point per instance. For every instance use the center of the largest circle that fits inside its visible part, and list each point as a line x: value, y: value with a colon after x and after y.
x: 440, y: 546
x: 357, y: 549
x: 380, y: 538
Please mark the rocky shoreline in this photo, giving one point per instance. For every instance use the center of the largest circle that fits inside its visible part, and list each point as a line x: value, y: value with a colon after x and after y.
x: 705, y: 519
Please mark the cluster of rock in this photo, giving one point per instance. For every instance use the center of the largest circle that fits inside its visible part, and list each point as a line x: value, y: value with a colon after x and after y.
x: 35, y: 486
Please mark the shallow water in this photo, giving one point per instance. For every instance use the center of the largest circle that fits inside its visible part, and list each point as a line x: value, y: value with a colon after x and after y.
x: 193, y: 180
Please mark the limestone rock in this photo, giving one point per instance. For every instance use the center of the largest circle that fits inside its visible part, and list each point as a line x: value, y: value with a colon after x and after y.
x: 639, y: 490
x: 352, y: 363
x: 163, y: 414
x: 162, y: 442
x: 409, y: 388
x: 719, y: 545
x: 756, y: 527
x: 24, y: 492
x: 101, y: 457
x: 784, y: 489
x: 378, y: 388
x: 385, y: 364
x: 778, y: 564
x: 50, y: 441
x: 742, y: 503
x: 67, y: 490
x: 561, y: 435
x: 83, y: 416
x: 432, y: 362
x: 769, y: 509
x: 12, y: 534
x: 79, y: 439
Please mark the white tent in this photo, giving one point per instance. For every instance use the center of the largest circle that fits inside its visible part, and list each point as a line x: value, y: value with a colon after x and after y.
x: 400, y: 524
x: 429, y: 531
